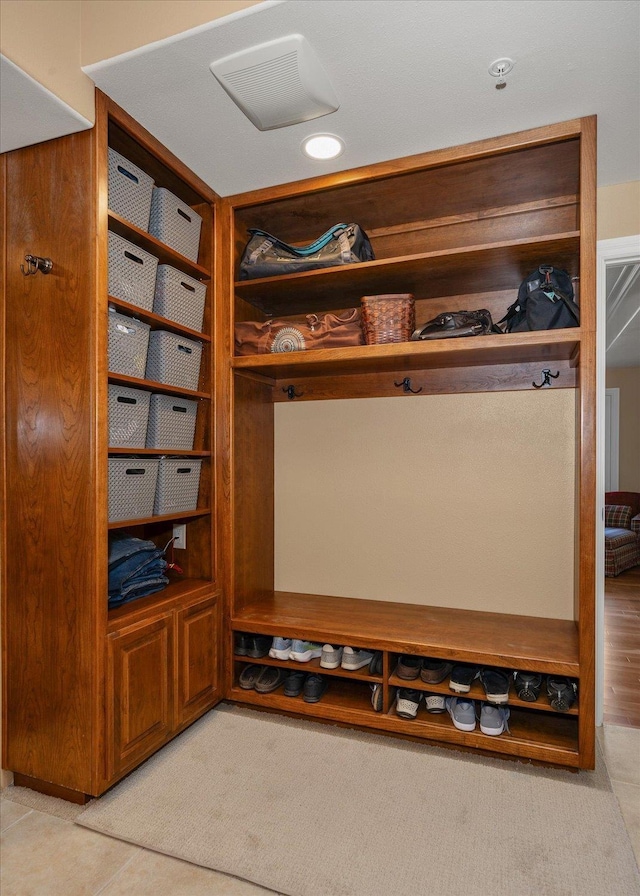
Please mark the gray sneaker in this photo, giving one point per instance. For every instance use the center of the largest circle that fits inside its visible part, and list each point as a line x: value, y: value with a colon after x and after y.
x: 331, y: 657
x: 353, y: 658
x: 462, y: 712
x: 493, y: 719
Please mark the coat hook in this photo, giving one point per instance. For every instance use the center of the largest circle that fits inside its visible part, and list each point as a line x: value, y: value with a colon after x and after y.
x: 36, y: 263
x: 406, y: 386
x: 291, y: 392
x: 546, y: 381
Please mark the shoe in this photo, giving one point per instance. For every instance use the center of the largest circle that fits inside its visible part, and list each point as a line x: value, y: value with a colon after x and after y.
x: 270, y: 679
x: 435, y: 702
x: 303, y: 651
x: 435, y: 671
x: 496, y: 685
x: 376, y: 696
x: 462, y: 712
x: 354, y: 658
x: 314, y: 688
x: 407, y: 703
x: 408, y: 666
x: 293, y: 683
x: 249, y: 676
x: 563, y: 693
x: 258, y: 645
x: 331, y: 657
x: 462, y: 678
x: 493, y: 719
x: 375, y: 666
x: 240, y: 643
x: 527, y: 685
x: 280, y: 648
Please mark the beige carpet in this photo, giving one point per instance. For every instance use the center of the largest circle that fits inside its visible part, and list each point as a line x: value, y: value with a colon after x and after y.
x: 312, y: 810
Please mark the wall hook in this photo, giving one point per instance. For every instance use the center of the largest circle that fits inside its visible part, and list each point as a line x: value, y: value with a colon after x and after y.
x: 36, y: 263
x: 291, y: 392
x: 406, y: 386
x: 547, y: 376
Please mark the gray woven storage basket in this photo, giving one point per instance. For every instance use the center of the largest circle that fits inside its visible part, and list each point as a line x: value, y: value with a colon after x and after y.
x: 172, y: 422
x: 128, y: 417
x: 179, y: 297
x: 173, y: 360
x: 130, y: 190
x: 128, y: 342
x: 132, y: 272
x: 178, y: 485
x: 173, y: 222
x: 132, y: 488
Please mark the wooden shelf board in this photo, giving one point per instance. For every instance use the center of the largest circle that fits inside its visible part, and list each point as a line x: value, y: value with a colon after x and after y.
x: 496, y: 639
x: 156, y: 452
x: 165, y: 254
x: 143, y: 521
x: 152, y: 386
x: 156, y: 321
x: 543, y: 346
x: 427, y: 275
x: 177, y: 592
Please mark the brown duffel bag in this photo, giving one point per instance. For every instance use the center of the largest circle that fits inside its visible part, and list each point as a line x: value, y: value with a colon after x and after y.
x: 294, y: 334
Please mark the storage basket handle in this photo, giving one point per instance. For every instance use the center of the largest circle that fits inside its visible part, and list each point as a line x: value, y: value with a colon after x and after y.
x: 128, y: 174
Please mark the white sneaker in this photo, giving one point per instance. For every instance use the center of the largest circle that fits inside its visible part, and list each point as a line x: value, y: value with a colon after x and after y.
x: 353, y: 659
x: 280, y: 649
x: 407, y: 703
x: 331, y: 656
x: 303, y: 651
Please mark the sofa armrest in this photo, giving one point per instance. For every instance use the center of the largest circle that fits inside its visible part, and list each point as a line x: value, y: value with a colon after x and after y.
x: 635, y: 524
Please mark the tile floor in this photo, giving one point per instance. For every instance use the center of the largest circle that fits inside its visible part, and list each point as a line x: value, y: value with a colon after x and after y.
x: 45, y: 854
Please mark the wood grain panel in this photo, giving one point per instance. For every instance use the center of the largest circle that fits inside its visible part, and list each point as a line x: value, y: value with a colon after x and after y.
x: 198, y: 634
x: 52, y: 480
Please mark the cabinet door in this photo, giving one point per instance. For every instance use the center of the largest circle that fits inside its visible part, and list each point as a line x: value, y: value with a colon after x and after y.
x: 141, y: 700
x: 198, y: 659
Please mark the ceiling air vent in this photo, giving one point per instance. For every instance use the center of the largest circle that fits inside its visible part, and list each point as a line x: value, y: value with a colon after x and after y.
x: 278, y: 83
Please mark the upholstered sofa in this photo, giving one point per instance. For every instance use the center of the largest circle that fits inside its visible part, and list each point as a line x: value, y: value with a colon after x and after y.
x: 621, y: 532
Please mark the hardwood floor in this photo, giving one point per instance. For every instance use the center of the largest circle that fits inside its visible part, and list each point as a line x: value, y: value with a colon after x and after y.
x: 622, y: 649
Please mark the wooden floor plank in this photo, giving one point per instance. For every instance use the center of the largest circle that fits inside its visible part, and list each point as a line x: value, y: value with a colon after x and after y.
x: 622, y: 649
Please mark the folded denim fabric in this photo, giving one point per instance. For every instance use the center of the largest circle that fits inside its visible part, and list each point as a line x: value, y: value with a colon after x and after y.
x: 150, y: 587
x: 130, y: 558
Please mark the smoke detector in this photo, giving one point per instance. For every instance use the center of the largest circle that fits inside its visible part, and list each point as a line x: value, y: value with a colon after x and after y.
x: 499, y: 69
x: 278, y: 83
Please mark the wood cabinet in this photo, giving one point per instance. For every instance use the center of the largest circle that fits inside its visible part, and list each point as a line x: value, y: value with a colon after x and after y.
x: 459, y: 229
x: 89, y: 692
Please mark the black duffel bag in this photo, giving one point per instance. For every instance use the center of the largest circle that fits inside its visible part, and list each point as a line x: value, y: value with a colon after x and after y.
x: 267, y: 256
x: 457, y: 323
x: 545, y: 302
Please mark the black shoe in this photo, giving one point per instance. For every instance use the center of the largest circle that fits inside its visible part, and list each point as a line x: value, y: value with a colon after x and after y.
x: 240, y: 643
x: 462, y: 677
x: 376, y: 697
x: 258, y: 645
x: 496, y: 685
x: 527, y: 685
x: 435, y: 671
x: 563, y: 693
x: 293, y: 683
x: 270, y: 679
x: 375, y: 666
x: 249, y: 676
x: 314, y: 688
x: 408, y: 666
x: 407, y: 703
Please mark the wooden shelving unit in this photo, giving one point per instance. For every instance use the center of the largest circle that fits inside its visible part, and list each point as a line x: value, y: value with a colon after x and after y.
x: 459, y: 229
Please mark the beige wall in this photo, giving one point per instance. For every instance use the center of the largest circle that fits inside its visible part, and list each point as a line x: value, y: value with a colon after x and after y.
x: 43, y: 39
x: 627, y: 379
x: 618, y: 210
x: 451, y: 500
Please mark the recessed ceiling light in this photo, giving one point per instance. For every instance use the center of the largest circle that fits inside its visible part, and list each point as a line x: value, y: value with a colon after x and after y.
x: 322, y: 146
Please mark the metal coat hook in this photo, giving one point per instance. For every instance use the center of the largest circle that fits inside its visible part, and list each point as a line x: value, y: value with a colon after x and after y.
x: 36, y: 263
x: 406, y: 386
x: 547, y: 376
x: 291, y: 392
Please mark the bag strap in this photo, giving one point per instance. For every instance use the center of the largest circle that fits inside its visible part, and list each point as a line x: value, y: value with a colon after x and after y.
x: 338, y: 230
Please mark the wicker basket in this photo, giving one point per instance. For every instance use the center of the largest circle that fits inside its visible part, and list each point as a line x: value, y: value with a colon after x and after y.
x: 389, y: 318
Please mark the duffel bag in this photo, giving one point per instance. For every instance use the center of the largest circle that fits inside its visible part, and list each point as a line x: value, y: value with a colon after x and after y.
x: 457, y: 323
x: 545, y: 302
x: 267, y: 256
x: 295, y: 334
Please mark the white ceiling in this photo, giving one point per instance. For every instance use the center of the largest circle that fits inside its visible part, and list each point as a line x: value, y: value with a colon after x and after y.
x: 410, y: 75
